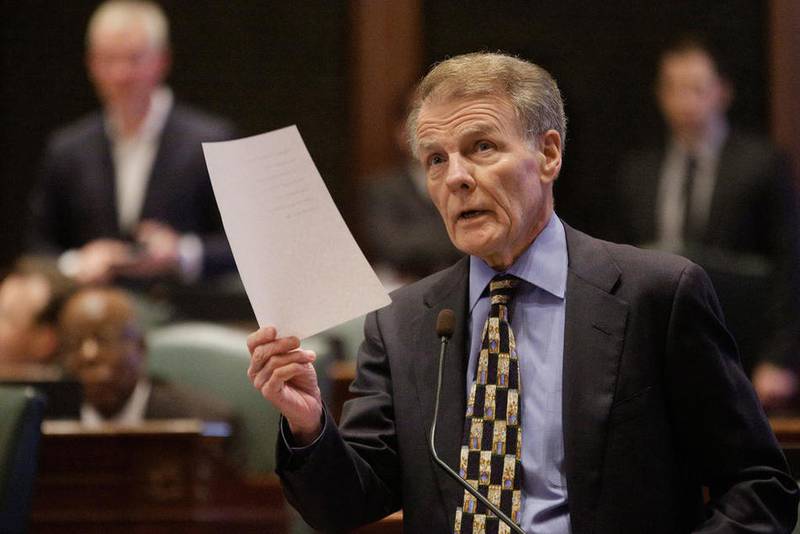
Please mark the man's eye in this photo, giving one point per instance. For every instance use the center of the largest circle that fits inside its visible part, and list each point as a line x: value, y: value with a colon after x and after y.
x: 436, y: 159
x: 482, y: 146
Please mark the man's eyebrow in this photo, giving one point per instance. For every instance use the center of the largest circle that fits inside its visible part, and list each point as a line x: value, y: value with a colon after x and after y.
x: 425, y: 145
x: 478, y: 129
x: 470, y: 130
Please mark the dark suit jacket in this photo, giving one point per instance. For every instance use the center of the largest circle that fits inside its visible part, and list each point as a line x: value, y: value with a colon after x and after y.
x: 753, y: 215
x: 75, y: 201
x: 403, y: 227
x: 655, y: 407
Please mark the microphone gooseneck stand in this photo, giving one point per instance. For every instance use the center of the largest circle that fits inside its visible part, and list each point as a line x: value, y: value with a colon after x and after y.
x: 445, y: 324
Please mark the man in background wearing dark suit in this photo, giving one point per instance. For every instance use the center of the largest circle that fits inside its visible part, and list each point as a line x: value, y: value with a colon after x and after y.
x: 103, y: 347
x: 403, y: 231
x: 725, y: 199
x: 629, y: 389
x: 125, y: 190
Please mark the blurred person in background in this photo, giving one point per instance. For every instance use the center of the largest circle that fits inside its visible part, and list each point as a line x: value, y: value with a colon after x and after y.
x: 104, y: 349
x: 30, y: 298
x: 405, y: 237
x: 725, y: 199
x: 125, y: 192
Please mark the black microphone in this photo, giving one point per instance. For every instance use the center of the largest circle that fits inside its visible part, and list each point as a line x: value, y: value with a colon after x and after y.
x: 445, y: 325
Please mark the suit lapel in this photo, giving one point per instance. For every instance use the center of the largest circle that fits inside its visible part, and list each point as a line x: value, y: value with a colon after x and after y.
x: 451, y: 292
x: 159, y: 182
x: 593, y: 338
x: 104, y: 183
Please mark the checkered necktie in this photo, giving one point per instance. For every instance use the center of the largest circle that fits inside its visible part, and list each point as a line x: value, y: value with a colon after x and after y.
x: 492, y: 443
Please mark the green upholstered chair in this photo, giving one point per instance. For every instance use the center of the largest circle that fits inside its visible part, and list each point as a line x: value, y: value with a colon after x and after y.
x: 213, y: 358
x: 21, y: 412
x: 346, y: 338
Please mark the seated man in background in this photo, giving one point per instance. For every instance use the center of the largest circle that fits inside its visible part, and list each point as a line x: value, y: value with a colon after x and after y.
x: 104, y: 348
x: 30, y: 298
x: 125, y: 191
x: 404, y: 234
x: 725, y: 199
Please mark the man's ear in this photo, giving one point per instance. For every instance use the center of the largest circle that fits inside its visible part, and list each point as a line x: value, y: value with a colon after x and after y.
x: 164, y: 64
x: 550, y: 148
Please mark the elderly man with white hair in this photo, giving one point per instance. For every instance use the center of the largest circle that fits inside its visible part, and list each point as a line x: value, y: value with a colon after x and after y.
x: 124, y: 191
x: 590, y: 387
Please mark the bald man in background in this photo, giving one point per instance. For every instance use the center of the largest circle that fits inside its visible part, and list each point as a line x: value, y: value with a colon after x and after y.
x: 104, y: 349
x: 125, y: 192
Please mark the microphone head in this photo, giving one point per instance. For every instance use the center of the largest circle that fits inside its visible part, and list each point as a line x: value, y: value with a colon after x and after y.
x: 446, y: 323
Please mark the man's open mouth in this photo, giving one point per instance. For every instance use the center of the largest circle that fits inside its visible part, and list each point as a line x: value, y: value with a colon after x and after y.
x: 471, y: 214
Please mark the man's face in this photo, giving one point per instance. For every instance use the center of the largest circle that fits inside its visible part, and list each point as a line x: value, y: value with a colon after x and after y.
x: 22, y: 299
x: 691, y: 93
x: 492, y: 186
x: 124, y: 66
x: 103, y: 350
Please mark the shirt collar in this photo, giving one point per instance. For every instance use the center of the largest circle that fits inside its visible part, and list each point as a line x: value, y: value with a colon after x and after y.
x: 160, y: 106
x: 543, y: 264
x: 133, y: 412
x: 708, y: 147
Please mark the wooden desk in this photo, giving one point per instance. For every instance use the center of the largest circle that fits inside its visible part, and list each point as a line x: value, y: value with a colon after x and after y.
x: 165, y: 476
x: 786, y: 428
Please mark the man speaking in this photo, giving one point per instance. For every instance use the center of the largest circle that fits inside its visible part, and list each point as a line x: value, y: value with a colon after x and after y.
x: 589, y: 387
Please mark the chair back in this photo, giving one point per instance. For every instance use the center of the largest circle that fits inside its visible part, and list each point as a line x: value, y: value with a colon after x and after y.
x: 213, y: 358
x: 21, y: 412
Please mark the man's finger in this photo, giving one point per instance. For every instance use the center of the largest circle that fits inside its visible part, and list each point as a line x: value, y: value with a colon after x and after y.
x: 272, y: 388
x: 296, y: 356
x: 260, y: 374
x: 282, y: 345
x: 260, y: 336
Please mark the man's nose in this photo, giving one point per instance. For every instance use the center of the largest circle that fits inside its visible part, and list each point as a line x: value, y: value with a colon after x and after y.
x: 120, y: 70
x: 459, y: 174
x: 89, y: 349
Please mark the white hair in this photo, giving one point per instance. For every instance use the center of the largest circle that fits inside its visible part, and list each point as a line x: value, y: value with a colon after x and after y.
x: 529, y: 89
x: 122, y: 14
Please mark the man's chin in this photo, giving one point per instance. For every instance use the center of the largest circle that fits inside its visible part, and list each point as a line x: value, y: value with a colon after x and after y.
x: 102, y: 401
x: 473, y: 247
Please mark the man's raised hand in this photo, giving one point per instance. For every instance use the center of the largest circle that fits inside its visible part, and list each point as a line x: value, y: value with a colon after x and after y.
x: 285, y: 376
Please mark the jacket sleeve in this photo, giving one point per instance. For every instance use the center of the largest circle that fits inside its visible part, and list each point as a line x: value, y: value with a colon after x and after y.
x: 719, y: 421
x: 43, y: 231
x: 351, y: 475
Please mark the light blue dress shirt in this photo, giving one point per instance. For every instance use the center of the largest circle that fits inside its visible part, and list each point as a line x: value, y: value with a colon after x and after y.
x: 537, y: 319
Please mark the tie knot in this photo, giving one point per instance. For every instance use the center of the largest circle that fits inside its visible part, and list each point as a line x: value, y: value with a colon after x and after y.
x: 501, y: 288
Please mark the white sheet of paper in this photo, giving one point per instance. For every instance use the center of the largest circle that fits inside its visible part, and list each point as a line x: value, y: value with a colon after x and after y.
x: 299, y: 263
